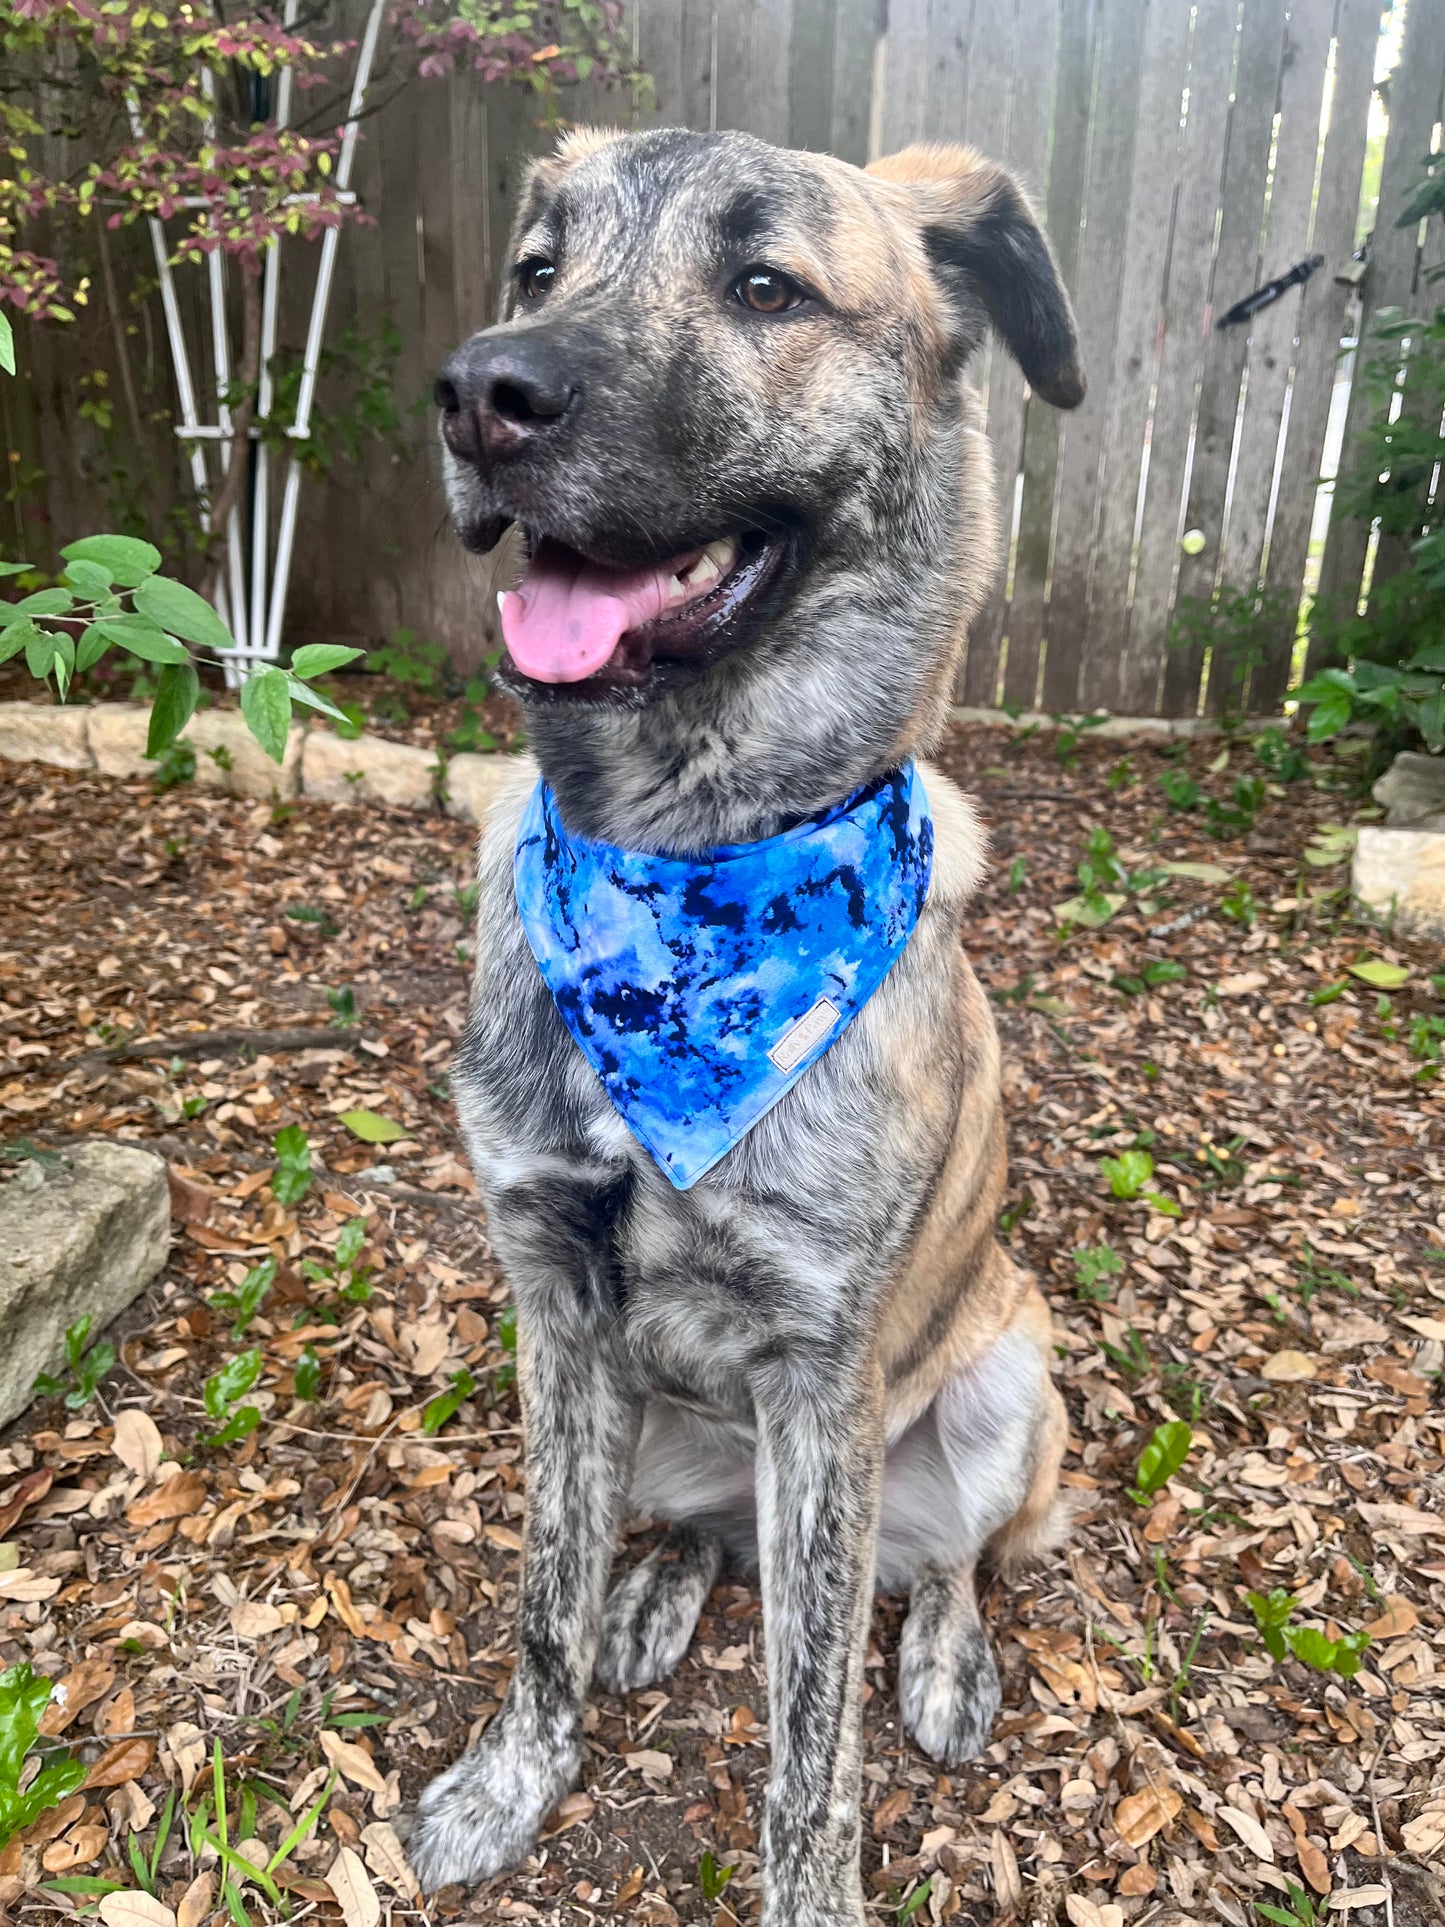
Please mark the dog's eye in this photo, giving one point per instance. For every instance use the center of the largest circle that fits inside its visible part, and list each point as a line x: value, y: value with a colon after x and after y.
x: 766, y: 291
x: 535, y: 277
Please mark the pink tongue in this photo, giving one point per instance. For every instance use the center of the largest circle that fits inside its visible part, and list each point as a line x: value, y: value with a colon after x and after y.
x: 570, y: 614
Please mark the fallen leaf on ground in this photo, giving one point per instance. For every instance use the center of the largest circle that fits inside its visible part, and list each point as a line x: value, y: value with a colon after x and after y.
x: 137, y: 1443
x: 1139, y: 1816
x: 355, y: 1895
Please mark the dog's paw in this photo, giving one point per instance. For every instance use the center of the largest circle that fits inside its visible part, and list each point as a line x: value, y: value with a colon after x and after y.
x: 948, y: 1687
x: 484, y: 1813
x: 652, y: 1612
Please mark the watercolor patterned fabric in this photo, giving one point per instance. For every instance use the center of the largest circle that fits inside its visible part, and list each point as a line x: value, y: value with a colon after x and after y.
x: 701, y: 989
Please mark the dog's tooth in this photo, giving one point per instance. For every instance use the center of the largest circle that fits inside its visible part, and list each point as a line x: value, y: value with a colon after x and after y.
x: 676, y: 589
x: 502, y: 595
x: 703, y: 571
x: 723, y: 554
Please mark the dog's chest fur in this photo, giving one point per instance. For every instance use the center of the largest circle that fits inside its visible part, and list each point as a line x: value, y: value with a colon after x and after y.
x: 784, y: 1251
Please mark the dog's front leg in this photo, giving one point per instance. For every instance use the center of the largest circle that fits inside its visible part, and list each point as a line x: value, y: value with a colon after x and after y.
x: 581, y: 1428
x: 820, y: 1457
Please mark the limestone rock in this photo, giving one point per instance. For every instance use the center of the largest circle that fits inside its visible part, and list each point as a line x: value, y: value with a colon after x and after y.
x: 251, y: 771
x: 367, y: 769
x: 474, y: 782
x: 1412, y: 790
x: 45, y: 733
x: 87, y: 1237
x: 1403, y: 871
x: 118, y: 739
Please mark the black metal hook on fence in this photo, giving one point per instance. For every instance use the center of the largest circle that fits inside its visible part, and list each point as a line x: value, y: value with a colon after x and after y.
x: 1250, y: 306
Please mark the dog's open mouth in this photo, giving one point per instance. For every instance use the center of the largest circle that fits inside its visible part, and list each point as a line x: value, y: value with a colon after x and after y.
x: 590, y: 628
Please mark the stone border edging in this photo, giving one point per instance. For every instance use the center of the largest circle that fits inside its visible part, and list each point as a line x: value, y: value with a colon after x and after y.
x: 110, y: 738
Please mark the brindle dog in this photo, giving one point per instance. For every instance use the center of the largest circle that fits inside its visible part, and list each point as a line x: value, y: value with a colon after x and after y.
x: 728, y: 385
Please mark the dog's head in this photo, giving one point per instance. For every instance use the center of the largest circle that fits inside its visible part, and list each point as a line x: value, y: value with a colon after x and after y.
x: 724, y: 408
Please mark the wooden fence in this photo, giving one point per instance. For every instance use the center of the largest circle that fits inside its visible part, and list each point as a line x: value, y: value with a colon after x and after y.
x: 1182, y: 155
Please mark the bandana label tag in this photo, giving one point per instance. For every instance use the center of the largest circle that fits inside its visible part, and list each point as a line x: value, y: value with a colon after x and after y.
x: 793, y: 1046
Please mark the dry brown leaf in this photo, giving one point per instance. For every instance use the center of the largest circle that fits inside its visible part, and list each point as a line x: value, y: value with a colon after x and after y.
x: 27, y: 1588
x: 80, y: 1688
x: 79, y: 1847
x: 630, y: 1888
x: 176, y: 1498
x: 1004, y: 1866
x: 503, y: 1536
x: 1313, y: 1864
x: 30, y: 1491
x: 1398, y: 1618
x: 126, y: 1760
x: 118, y: 1715
x: 352, y: 1761
x: 1249, y: 1830
x: 570, y: 1812
x: 650, y: 1763
x: 387, y: 1859
x: 355, y: 1895
x: 1084, y: 1912
x: 892, y: 1807
x: 137, y: 1443
x: 1141, y: 1815
x: 253, y: 1619
x: 130, y: 1909
x: 1069, y: 1682
x: 195, y: 1904
x: 187, y: 1747
x: 1288, y: 1368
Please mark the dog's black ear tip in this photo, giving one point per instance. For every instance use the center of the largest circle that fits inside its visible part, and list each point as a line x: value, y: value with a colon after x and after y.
x: 1062, y: 387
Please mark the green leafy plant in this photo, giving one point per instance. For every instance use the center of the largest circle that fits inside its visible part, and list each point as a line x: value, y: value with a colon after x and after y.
x: 1180, y: 789
x: 1017, y: 874
x: 1238, y: 904
x: 343, y: 1006
x: 1315, y: 1277
x: 146, y: 1866
x: 112, y: 591
x: 1236, y: 817
x: 24, y: 1696
x: 1070, y: 731
x: 1277, y: 754
x: 242, y: 1304
x: 1161, y: 1458
x: 438, y: 1410
x: 176, y: 766
x: 1274, y: 1616
x: 225, y: 1841
x: 352, y: 1279
x: 1127, y: 1176
x: 291, y: 1179
x: 306, y: 913
x: 505, y: 1376
x: 1094, y: 1266
x: 712, y: 1878
x: 307, y: 1376
x: 917, y: 1900
x: 1301, y: 1911
x: 220, y: 1393
x: 86, y: 1368
x: 1236, y: 630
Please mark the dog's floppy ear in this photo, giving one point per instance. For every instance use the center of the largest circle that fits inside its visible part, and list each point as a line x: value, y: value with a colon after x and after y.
x: 985, y: 241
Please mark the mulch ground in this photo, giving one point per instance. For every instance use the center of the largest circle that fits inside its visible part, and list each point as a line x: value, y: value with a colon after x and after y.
x: 329, y: 1598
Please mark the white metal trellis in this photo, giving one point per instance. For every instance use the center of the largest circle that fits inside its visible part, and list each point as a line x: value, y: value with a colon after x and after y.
x: 254, y: 610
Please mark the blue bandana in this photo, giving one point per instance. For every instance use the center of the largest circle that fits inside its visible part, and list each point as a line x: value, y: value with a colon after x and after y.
x: 700, y: 989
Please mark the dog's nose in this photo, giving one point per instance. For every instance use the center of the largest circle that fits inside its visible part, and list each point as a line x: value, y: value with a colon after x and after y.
x: 498, y: 397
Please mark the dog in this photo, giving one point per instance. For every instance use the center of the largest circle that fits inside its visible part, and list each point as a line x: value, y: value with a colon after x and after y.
x: 725, y: 407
